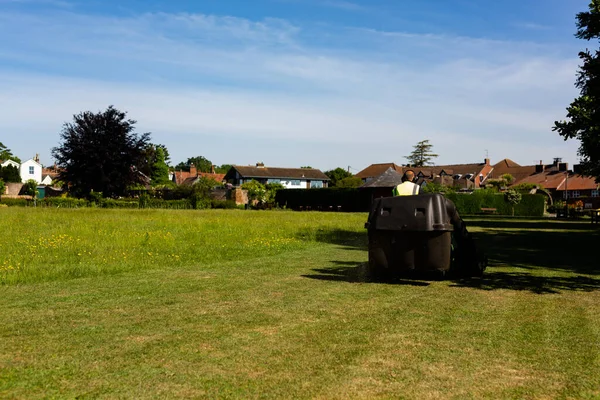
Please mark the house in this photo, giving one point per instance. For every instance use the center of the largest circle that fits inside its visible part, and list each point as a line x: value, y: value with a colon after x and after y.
x: 508, y: 166
x: 384, y: 184
x: 290, y: 178
x: 464, y: 176
x: 31, y: 169
x: 576, y: 186
x: 9, y: 162
x: 547, y: 176
x: 49, y: 175
x: 375, y: 170
x: 191, y: 177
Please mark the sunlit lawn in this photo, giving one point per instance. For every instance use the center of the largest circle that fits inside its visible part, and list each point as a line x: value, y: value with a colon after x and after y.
x: 244, y: 304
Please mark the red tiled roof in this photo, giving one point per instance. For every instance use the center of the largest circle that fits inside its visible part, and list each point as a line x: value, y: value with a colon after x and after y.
x: 547, y: 180
x: 578, y: 182
x: 375, y: 170
x: 187, y: 178
x: 506, y: 163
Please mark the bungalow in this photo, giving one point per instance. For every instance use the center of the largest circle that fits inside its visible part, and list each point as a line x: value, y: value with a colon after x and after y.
x: 290, y: 178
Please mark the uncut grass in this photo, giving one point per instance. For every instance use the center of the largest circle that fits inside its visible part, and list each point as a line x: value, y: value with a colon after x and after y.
x: 49, y: 244
x: 303, y: 323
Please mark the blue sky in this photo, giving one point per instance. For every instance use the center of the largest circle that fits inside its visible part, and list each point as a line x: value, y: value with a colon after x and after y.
x: 325, y: 83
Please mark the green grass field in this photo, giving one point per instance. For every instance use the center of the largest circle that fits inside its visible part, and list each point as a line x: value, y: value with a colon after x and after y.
x: 243, y: 304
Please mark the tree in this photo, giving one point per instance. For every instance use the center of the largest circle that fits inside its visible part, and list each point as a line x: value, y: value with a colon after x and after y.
x: 223, y: 169
x: 160, y: 171
x: 6, y: 154
x: 101, y: 152
x: 30, y: 188
x: 256, y: 191
x: 2, y: 188
x: 513, y: 198
x: 201, y: 163
x: 421, y: 154
x: 349, y: 182
x: 337, y: 175
x: 10, y: 173
x: 583, y: 114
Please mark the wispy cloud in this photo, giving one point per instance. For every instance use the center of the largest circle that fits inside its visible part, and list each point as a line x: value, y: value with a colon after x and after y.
x: 344, y: 5
x: 533, y: 26
x: 243, y: 90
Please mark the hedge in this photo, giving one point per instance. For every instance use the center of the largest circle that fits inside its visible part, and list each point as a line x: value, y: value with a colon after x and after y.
x: 349, y: 199
x: 355, y: 200
x: 69, y: 202
x: 531, y: 205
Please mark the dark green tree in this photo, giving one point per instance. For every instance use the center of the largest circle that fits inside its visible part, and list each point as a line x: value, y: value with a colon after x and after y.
x: 583, y: 114
x: 6, y: 154
x: 337, y: 175
x: 101, y: 152
x: 10, y: 173
x: 2, y: 188
x: 421, y: 154
x: 202, y: 164
x: 223, y: 169
x: 160, y: 171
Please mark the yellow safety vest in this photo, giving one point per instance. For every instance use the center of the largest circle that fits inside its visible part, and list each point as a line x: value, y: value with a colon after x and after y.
x: 406, y: 189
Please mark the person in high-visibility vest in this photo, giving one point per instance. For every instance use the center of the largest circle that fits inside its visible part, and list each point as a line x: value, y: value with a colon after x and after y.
x: 407, y: 187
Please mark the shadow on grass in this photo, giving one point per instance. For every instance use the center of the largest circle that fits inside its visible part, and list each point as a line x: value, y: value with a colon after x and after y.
x: 529, y: 282
x: 570, y: 247
x: 564, y: 250
x: 352, y: 272
x: 355, y: 240
x: 516, y: 224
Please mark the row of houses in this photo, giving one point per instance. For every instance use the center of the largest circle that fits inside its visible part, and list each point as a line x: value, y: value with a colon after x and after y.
x: 555, y: 177
x: 32, y: 170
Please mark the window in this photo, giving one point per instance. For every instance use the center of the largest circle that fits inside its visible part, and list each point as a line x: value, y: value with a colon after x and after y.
x: 295, y: 182
x: 316, y: 184
x: 566, y: 194
x: 31, y: 170
x: 273, y: 180
x: 575, y: 193
x: 596, y: 193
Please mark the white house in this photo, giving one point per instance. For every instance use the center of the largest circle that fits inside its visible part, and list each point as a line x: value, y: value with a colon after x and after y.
x: 290, y: 178
x: 9, y: 162
x: 31, y: 169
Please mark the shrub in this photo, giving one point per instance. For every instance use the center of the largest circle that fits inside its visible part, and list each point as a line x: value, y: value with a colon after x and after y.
x: 226, y: 204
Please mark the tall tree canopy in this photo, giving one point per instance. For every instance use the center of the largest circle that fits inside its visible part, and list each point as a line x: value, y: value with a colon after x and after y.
x: 6, y: 154
x: 160, y: 170
x: 202, y: 164
x: 583, y: 114
x: 421, y: 154
x: 101, y: 152
x: 336, y: 175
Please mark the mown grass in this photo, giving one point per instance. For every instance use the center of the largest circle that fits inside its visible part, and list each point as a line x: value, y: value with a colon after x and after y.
x: 292, y: 320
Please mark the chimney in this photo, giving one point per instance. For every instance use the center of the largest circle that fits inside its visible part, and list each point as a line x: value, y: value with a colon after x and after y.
x: 540, y: 167
x: 487, y: 161
x: 212, y: 169
x: 36, y: 158
x: 193, y: 170
x: 563, y: 166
